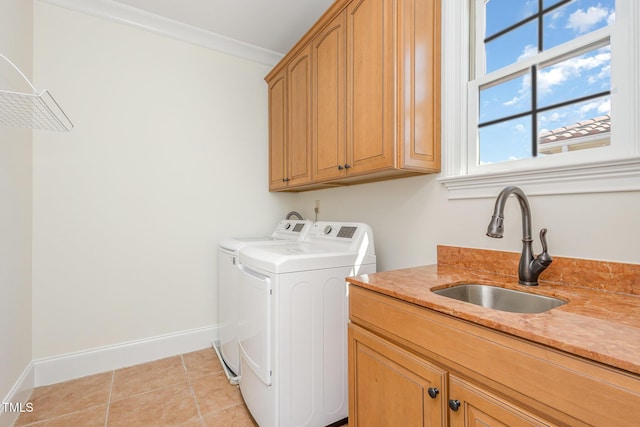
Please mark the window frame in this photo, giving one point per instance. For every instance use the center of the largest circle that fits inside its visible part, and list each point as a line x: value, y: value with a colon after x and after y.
x: 605, y: 169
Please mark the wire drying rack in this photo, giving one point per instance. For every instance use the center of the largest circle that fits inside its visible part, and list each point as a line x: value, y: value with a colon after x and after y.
x: 34, y: 110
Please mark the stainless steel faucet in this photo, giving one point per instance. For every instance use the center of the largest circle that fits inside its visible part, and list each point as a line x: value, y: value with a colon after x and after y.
x: 530, y: 267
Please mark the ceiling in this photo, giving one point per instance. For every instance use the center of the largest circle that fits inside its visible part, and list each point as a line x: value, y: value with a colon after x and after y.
x: 275, y: 25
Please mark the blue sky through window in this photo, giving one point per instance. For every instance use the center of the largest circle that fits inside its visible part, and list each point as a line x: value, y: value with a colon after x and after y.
x: 584, y: 74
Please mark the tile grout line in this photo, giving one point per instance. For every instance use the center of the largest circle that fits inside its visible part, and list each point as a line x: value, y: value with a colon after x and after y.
x: 193, y: 393
x: 110, y: 399
x: 106, y: 418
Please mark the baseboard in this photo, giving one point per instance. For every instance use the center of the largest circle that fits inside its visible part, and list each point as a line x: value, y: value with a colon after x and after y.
x: 77, y: 365
x: 17, y: 398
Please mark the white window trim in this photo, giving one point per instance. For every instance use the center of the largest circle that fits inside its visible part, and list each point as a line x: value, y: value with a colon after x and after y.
x: 618, y: 171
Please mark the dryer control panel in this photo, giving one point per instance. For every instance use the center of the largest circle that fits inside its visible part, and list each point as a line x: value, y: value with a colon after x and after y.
x: 350, y: 235
x: 292, y: 229
x: 347, y: 231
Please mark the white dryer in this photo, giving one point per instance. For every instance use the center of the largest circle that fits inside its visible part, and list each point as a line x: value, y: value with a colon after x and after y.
x: 292, y: 324
x: 226, y: 345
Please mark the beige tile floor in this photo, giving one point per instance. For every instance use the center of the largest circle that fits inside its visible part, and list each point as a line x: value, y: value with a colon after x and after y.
x: 188, y: 390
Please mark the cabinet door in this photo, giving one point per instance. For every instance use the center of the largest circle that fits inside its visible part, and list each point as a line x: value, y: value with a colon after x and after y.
x: 419, y: 84
x: 329, y: 101
x: 390, y: 387
x: 370, y: 85
x: 277, y: 131
x: 299, y: 118
x: 478, y: 407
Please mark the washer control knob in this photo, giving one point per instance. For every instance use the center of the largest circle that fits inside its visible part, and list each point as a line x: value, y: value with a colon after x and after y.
x: 327, y: 229
x: 287, y: 226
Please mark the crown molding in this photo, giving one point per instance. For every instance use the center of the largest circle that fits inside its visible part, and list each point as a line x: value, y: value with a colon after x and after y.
x: 124, y: 14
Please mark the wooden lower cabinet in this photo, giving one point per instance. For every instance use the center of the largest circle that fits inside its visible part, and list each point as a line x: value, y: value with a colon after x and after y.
x: 399, y: 353
x: 391, y: 387
x: 473, y: 406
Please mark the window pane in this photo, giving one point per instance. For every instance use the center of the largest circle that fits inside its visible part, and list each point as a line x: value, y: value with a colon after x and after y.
x: 505, y: 99
x: 576, y: 77
x: 576, y: 126
x: 510, y: 140
x: 575, y: 19
x: 548, y: 3
x: 512, y: 47
x: 501, y: 14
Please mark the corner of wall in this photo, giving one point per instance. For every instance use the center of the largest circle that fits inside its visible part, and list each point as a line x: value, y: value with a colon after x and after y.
x: 18, y: 398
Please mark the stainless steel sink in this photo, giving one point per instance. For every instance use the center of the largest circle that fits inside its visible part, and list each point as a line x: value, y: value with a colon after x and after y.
x: 500, y: 298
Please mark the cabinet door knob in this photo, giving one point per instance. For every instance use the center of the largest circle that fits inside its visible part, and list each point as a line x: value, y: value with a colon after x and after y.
x: 285, y: 179
x: 340, y: 167
x: 433, y: 392
x: 347, y: 165
x: 454, y: 404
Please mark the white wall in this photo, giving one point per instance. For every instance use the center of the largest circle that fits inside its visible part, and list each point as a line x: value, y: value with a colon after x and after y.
x: 411, y: 216
x: 15, y: 205
x: 168, y: 155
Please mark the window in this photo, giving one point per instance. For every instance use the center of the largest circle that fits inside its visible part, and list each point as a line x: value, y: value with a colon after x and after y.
x: 550, y: 88
x: 542, y: 76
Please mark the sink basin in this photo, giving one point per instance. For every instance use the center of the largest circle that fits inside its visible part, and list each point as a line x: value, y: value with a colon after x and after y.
x: 500, y: 298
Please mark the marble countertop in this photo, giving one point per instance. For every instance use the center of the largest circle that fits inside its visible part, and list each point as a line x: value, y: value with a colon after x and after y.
x: 596, y: 324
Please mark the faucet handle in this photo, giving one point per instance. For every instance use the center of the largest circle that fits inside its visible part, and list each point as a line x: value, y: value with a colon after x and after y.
x: 544, y: 258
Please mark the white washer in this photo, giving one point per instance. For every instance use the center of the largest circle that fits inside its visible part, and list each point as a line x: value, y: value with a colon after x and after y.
x: 228, y: 278
x: 292, y: 324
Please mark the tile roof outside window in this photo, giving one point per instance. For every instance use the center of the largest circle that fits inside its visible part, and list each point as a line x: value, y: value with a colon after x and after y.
x: 596, y: 126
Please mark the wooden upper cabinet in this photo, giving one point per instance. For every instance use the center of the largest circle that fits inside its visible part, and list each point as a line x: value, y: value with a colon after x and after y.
x: 290, y: 124
x: 277, y: 131
x: 299, y: 118
x: 372, y: 108
x: 370, y: 85
x: 328, y: 81
x: 419, y: 84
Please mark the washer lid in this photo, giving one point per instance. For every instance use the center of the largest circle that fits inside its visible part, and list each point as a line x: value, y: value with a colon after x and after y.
x: 300, y: 256
x: 285, y: 230
x: 234, y: 244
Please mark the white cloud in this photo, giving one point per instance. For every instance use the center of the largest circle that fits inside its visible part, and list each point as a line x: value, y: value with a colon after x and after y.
x: 529, y: 8
x: 549, y: 78
x: 555, y: 18
x: 519, y: 128
x: 600, y: 107
x: 605, y: 107
x: 557, y: 74
x: 554, y: 76
x: 582, y: 22
x: 523, y: 93
x: 554, y: 117
x: 513, y: 101
x: 528, y: 51
x: 603, y: 76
